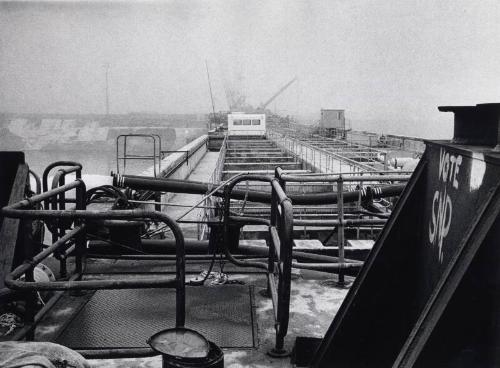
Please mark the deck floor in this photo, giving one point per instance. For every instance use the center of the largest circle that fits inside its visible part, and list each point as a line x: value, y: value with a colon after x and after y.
x: 314, y: 302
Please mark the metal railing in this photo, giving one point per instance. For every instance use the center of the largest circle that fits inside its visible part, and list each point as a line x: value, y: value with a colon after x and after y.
x: 390, y: 141
x: 386, y: 142
x: 208, y: 212
x: 216, y: 176
x: 155, y: 156
x: 320, y: 159
x: 341, y: 223
x: 72, y: 240
x: 279, y: 263
x: 59, y: 202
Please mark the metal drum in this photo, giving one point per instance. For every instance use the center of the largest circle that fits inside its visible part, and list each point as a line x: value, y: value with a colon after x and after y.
x: 185, y: 348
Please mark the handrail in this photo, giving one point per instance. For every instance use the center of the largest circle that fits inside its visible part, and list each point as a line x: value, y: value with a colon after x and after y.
x: 356, y: 165
x: 336, y: 178
x: 73, y: 167
x: 327, y: 156
x: 68, y: 167
x: 38, y: 182
x: 156, y: 282
x: 378, y: 172
x: 280, y: 249
x: 80, y: 216
x: 59, y: 202
x: 341, y: 223
x: 156, y: 157
x: 217, y: 173
x: 209, y: 204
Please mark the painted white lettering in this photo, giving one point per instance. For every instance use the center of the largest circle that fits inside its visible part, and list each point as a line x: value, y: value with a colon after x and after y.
x: 455, y: 180
x: 453, y: 161
x: 442, y: 206
x: 477, y: 171
x: 449, y: 166
x: 432, y: 225
x: 446, y: 167
x: 441, y: 163
x: 441, y: 214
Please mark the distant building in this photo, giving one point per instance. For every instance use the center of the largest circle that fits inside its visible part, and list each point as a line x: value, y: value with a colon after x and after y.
x: 246, y: 124
x: 332, y: 119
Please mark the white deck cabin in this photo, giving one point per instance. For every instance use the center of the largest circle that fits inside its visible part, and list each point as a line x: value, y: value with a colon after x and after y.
x: 239, y: 123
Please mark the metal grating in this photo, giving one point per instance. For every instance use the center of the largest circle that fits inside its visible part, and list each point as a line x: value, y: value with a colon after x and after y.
x: 127, y: 318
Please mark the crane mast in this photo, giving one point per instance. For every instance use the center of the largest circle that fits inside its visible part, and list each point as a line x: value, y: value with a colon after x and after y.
x: 211, y: 95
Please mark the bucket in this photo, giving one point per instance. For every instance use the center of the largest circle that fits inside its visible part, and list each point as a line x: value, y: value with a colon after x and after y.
x: 185, y: 348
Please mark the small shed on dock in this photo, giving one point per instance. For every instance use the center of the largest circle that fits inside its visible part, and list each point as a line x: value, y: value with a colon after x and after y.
x: 332, y: 119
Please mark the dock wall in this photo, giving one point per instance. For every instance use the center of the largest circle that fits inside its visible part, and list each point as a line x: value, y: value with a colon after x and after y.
x: 70, y: 132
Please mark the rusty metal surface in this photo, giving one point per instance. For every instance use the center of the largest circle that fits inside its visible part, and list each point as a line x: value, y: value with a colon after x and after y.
x: 127, y: 318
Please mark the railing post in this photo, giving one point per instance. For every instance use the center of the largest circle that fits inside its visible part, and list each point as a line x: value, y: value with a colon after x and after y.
x: 340, y: 209
x: 62, y: 196
x: 154, y: 157
x: 81, y: 236
x: 29, y: 276
x: 157, y: 199
x: 358, y: 232
x: 159, y: 154
x: 117, y: 154
x: 272, y: 250
x: 57, y: 233
x: 284, y: 224
x: 125, y: 154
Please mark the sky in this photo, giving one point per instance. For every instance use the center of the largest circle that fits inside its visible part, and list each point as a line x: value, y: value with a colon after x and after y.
x: 388, y: 63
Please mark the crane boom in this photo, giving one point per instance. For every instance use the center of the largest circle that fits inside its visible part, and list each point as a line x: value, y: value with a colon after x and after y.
x: 280, y: 91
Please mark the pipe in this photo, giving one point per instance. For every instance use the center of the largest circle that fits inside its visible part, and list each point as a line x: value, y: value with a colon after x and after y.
x: 165, y: 257
x: 26, y: 265
x: 326, y: 267
x: 68, y: 167
x: 339, y: 222
x: 38, y: 182
x: 200, y: 247
x: 21, y: 333
x: 194, y: 187
x: 153, y: 246
x: 116, y: 353
x: 331, y: 179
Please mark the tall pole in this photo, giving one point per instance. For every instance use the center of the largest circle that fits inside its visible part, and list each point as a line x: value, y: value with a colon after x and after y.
x: 106, y: 69
x: 211, y: 95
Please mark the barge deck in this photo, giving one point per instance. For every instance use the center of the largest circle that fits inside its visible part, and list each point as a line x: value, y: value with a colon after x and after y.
x: 329, y: 241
